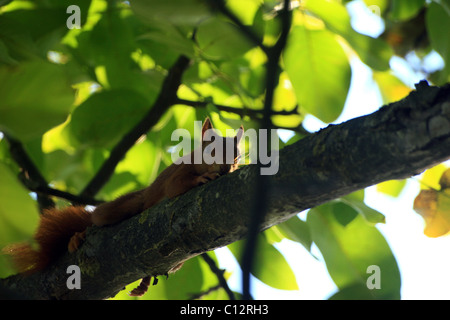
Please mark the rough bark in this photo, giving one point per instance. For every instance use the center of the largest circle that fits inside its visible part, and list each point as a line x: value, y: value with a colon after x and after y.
x: 398, y: 141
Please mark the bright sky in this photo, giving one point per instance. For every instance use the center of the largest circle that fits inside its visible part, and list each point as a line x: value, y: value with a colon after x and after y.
x: 424, y: 262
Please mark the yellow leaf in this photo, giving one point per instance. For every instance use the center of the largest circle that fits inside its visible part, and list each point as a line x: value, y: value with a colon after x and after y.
x: 434, y: 207
x: 391, y: 88
x: 430, y: 178
x: 392, y: 188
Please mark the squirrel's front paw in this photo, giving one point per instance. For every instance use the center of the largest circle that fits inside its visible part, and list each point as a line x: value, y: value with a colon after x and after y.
x: 207, y: 176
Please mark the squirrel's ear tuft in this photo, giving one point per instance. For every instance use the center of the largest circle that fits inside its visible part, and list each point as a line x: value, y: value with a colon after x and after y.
x: 206, y: 125
x: 239, y: 134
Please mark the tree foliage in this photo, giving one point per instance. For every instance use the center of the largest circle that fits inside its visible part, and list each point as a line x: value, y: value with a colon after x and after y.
x: 87, y: 114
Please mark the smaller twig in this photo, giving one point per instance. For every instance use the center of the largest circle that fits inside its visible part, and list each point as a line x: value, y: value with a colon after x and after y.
x: 74, y: 199
x: 245, y: 111
x: 204, y: 293
x: 219, y: 273
x: 30, y: 173
x: 35, y: 182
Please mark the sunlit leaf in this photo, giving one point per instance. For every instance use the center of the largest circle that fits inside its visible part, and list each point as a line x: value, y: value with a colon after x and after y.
x: 430, y: 179
x: 376, y: 5
x: 349, y: 250
x: 434, y: 206
x: 371, y: 215
x: 245, y: 10
x: 186, y: 282
x: 356, y: 291
x: 391, y: 88
x: 181, y: 285
x: 136, y: 171
x: 269, y: 265
x: 373, y: 52
x: 296, y: 230
x: 392, y: 188
x: 319, y: 72
x: 18, y: 213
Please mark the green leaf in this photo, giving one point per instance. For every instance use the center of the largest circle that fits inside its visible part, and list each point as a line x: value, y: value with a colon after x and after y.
x: 381, y: 5
x: 173, y: 41
x: 142, y: 160
x: 404, y: 10
x: 218, y: 39
x: 371, y: 215
x: 179, y: 12
x: 23, y: 30
x: 349, y: 250
x: 106, y: 116
x: 438, y: 19
x: 244, y: 10
x: 246, y: 74
x: 296, y: 230
x: 354, y: 292
x: 185, y: 282
x: 67, y: 171
x: 210, y: 280
x: 181, y: 285
x: 376, y: 53
x: 319, y: 71
x: 135, y: 171
x: 269, y: 265
x: 36, y: 96
x: 343, y: 213
x: 164, y: 43
x: 114, y: 33
x: 18, y: 213
x: 5, y: 2
x: 5, y: 56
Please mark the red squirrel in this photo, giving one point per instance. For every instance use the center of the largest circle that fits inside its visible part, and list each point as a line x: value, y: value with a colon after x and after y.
x: 64, y: 229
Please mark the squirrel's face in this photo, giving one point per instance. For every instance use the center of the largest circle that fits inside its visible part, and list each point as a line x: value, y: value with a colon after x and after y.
x: 220, y: 154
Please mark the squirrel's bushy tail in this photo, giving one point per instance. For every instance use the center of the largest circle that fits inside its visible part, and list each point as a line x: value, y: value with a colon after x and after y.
x: 56, y: 227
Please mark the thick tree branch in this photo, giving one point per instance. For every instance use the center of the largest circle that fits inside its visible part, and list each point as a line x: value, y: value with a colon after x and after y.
x: 398, y: 141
